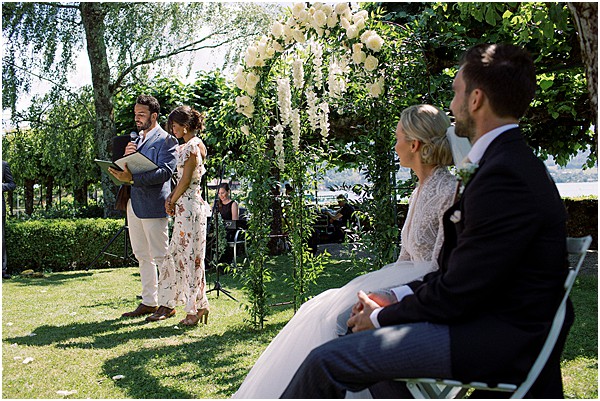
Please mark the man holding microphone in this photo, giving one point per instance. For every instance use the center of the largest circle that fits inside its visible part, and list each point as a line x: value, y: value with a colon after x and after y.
x: 146, y: 215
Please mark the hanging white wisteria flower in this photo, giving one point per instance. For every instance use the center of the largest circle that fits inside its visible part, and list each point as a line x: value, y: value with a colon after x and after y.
x: 278, y: 142
x: 295, y: 129
x: 338, y: 70
x: 298, y: 73
x: 284, y: 99
x: 317, y: 51
x: 324, y: 120
x: 312, y: 111
x: 245, y: 130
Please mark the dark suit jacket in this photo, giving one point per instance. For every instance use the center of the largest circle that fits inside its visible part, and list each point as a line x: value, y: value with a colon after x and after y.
x: 502, y: 267
x: 8, y: 184
x: 150, y: 189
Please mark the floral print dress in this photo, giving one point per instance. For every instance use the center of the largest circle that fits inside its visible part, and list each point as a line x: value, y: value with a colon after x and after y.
x: 181, y: 277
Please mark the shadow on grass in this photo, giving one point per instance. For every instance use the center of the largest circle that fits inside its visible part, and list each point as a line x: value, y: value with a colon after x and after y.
x: 53, y: 279
x: 214, y: 362
x: 103, y: 335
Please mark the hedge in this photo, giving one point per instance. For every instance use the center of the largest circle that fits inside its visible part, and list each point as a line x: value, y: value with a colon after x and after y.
x: 62, y: 244
x: 72, y: 244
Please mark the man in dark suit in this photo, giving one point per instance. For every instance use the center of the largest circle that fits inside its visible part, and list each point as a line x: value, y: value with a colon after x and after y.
x: 8, y: 184
x: 486, y: 312
x: 147, y: 218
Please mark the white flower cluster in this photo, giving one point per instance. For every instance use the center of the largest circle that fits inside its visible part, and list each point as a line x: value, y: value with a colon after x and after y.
x: 284, y: 100
x: 279, y: 152
x: 317, y: 51
x: 244, y: 105
x: 298, y: 73
x: 295, y: 129
x: 305, y: 25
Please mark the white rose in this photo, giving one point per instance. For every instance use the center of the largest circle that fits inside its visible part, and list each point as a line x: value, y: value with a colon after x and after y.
x: 252, y: 79
x: 362, y: 14
x: 277, y: 47
x: 245, y: 130
x: 340, y: 8
x: 251, y: 56
x: 250, y: 90
x: 297, y: 9
x: 320, y: 19
x: 374, y: 42
x: 327, y: 9
x: 365, y: 35
x: 375, y: 90
x: 359, y: 57
x: 371, y: 63
x: 360, y: 24
x: 277, y: 29
x: 303, y: 16
x: 332, y: 20
x: 344, y: 23
x: 298, y: 36
x: 248, y: 111
x: 288, y: 33
x: 352, y: 32
x: 270, y: 51
x: 240, y: 78
x: 243, y: 101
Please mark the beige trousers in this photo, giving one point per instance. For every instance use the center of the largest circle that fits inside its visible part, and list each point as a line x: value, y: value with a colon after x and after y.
x: 149, y: 241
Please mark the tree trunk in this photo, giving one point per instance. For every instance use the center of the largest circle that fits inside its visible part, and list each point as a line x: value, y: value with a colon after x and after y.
x: 586, y: 19
x: 92, y: 17
x: 29, y: 196
x: 49, y: 191
x: 80, y: 195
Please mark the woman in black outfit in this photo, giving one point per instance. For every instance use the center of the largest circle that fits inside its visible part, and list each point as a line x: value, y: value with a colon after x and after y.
x: 228, y: 208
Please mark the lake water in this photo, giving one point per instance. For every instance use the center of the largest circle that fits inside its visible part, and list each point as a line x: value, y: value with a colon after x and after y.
x: 574, y: 189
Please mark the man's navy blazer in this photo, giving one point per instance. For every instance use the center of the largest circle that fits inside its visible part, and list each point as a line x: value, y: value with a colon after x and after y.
x: 150, y: 189
x: 502, y: 266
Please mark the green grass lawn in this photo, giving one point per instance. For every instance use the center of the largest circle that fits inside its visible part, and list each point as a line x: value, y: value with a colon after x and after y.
x: 70, y: 324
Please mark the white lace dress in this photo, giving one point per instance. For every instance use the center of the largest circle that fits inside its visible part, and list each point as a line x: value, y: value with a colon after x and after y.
x: 316, y: 322
x: 181, y: 277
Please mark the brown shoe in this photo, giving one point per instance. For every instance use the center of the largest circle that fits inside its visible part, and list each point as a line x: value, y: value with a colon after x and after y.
x: 161, y: 314
x: 140, y: 311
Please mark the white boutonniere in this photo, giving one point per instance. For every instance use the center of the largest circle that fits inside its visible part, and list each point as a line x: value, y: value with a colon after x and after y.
x: 464, y: 176
x: 456, y: 216
x: 466, y: 172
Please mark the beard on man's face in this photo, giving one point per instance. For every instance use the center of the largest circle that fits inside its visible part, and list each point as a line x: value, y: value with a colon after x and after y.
x: 464, y: 126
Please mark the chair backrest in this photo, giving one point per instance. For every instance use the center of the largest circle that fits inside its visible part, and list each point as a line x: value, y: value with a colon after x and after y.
x: 576, y: 247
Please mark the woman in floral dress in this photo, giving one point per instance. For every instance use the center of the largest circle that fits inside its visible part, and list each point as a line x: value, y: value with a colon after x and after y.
x: 181, y: 277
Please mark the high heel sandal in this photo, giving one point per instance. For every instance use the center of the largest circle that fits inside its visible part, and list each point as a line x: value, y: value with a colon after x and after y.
x: 203, y: 315
x: 190, y: 320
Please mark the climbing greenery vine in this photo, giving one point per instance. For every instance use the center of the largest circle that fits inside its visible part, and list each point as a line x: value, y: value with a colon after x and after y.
x: 318, y: 61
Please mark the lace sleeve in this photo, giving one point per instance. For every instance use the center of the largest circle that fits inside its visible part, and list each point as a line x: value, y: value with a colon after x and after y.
x: 446, y: 198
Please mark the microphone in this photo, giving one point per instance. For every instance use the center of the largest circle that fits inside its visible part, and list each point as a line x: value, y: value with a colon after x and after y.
x: 134, y: 136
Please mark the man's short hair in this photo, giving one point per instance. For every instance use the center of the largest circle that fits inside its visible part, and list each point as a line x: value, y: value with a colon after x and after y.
x: 149, y: 101
x: 342, y: 197
x: 505, y: 73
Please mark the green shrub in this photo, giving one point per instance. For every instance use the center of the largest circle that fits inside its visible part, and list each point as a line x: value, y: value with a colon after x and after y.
x: 62, y: 244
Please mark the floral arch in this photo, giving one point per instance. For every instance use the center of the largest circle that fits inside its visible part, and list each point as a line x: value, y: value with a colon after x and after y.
x: 321, y: 59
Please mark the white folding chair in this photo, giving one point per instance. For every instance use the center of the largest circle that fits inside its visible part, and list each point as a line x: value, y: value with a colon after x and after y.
x: 427, y: 388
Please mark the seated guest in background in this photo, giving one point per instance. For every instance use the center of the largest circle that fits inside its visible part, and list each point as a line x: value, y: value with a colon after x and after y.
x: 484, y: 315
x: 228, y: 208
x: 341, y: 218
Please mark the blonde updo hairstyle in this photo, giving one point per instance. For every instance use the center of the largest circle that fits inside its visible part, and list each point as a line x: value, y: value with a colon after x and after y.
x: 186, y: 117
x: 428, y: 124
